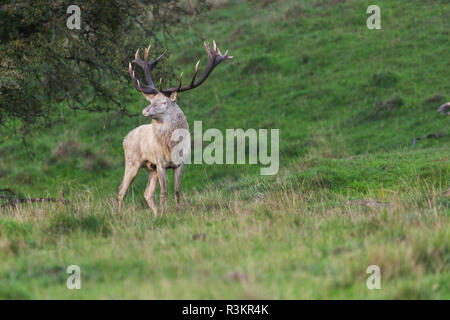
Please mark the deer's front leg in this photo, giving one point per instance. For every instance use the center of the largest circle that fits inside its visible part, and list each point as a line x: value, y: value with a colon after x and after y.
x: 177, y: 172
x: 162, y: 182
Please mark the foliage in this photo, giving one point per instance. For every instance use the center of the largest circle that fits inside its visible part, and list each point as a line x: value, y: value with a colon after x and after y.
x: 43, y: 63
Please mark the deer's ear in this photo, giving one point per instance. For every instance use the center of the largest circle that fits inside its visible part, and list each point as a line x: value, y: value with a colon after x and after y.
x: 173, y: 96
x: 148, y: 97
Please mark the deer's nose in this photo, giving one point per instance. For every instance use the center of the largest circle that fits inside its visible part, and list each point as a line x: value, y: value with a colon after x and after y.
x: 146, y: 112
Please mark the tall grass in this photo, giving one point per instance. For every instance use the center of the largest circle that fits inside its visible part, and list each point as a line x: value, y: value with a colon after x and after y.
x: 264, y: 242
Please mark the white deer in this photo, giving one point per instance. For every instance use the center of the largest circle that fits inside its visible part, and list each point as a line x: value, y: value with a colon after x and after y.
x: 150, y: 146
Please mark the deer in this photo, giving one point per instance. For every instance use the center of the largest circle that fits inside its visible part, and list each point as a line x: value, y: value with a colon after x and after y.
x: 150, y: 146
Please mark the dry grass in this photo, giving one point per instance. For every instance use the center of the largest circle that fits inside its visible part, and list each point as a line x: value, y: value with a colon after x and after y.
x: 287, y: 243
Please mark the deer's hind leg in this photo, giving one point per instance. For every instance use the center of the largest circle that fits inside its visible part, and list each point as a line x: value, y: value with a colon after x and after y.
x: 178, y: 171
x: 149, y: 193
x: 131, y: 170
x: 161, y: 171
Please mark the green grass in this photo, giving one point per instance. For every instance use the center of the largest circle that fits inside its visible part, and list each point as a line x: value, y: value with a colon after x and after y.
x: 347, y: 100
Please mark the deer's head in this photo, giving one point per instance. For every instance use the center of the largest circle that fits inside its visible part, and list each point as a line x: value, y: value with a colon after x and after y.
x: 162, y: 100
x: 159, y: 105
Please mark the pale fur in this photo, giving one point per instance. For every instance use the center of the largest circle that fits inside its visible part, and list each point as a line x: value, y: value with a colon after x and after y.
x: 150, y: 146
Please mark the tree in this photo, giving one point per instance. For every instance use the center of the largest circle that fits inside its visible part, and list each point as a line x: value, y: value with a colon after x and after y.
x: 45, y: 66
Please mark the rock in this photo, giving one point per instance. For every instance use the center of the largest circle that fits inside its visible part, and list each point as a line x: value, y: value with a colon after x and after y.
x: 371, y: 203
x: 236, y: 276
x: 199, y: 236
x: 443, y: 108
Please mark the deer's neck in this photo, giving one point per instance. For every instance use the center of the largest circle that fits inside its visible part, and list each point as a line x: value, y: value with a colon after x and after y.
x: 163, y: 128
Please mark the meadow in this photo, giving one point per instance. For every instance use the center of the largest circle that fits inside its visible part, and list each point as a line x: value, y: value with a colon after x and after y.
x: 351, y: 191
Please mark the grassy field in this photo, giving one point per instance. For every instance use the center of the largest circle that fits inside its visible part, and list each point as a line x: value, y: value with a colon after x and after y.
x: 351, y: 191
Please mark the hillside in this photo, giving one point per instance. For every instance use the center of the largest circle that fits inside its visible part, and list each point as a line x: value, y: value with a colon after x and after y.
x: 347, y: 100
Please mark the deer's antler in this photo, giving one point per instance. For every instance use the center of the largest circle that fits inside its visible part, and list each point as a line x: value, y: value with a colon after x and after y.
x: 147, y: 67
x: 214, y: 58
